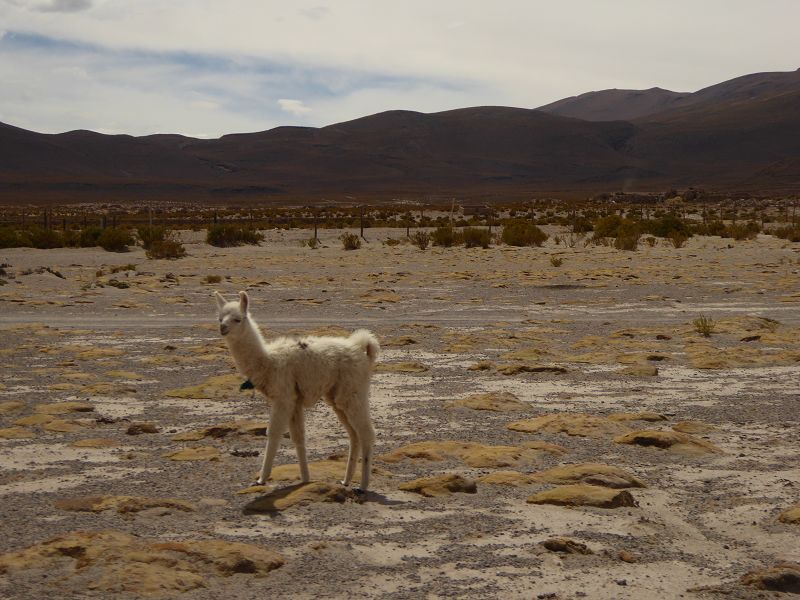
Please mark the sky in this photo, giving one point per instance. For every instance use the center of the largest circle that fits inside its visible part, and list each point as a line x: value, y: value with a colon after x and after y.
x: 206, y: 68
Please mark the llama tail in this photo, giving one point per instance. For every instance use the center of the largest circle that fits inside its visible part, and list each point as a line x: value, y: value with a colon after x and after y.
x: 368, y: 341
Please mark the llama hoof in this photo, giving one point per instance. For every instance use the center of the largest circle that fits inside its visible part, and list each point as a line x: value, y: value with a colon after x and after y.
x: 359, y: 491
x: 345, y: 483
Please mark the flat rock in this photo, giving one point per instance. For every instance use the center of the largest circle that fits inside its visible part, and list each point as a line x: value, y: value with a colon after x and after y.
x: 199, y: 453
x: 584, y: 495
x: 142, y: 427
x: 304, y: 493
x: 60, y: 408
x: 674, y: 441
x: 791, y: 515
x: 566, y: 546
x: 440, y: 485
x: 515, y: 369
x: 122, y: 504
x: 16, y: 433
x: 573, y: 424
x: 401, y: 367
x: 34, y: 419
x: 693, y: 427
x: 493, y: 401
x: 94, y: 443
x: 11, y: 406
x: 783, y: 577
x: 472, y: 453
x: 639, y: 371
x: 598, y: 474
x: 245, y: 427
x: 61, y: 426
x: 117, y: 562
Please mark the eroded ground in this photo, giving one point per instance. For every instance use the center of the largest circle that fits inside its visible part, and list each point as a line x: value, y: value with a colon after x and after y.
x: 513, y: 389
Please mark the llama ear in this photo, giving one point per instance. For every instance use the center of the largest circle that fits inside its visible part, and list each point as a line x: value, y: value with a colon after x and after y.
x: 244, y: 300
x: 220, y: 300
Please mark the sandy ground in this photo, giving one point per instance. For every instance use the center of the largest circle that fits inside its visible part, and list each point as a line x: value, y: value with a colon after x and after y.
x: 605, y: 333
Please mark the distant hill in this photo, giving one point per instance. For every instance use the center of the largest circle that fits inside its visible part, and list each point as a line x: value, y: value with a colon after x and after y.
x: 742, y: 134
x: 615, y: 105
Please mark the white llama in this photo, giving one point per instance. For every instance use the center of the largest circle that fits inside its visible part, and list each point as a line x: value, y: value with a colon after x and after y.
x: 294, y: 374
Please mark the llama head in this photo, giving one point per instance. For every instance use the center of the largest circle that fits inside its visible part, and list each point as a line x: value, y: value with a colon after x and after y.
x: 232, y: 315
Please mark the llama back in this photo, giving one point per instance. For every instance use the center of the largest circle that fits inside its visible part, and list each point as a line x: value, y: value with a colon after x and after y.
x: 367, y: 340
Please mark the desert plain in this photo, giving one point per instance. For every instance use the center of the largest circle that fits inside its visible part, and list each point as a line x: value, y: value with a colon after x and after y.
x: 545, y: 428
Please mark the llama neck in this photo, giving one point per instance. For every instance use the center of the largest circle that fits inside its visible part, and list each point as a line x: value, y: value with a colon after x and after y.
x: 249, y: 351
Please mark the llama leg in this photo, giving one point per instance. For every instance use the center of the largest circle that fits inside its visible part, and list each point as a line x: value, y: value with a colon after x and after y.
x: 352, y: 456
x: 277, y: 427
x: 298, y: 431
x: 358, y: 415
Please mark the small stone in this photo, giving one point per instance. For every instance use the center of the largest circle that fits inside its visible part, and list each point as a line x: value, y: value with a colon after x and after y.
x: 584, y: 495
x: 566, y: 546
x: 440, y: 485
x: 140, y: 428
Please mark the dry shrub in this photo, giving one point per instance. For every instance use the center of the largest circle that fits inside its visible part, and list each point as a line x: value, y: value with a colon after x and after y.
x: 350, y: 241
x: 166, y: 249
x: 556, y: 261
x: 421, y: 239
x: 227, y: 235
x: 115, y: 239
x: 704, y: 326
x: 446, y: 237
x: 474, y: 237
x: 523, y: 233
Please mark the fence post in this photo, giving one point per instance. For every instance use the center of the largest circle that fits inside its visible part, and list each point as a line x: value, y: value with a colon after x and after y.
x: 362, y: 222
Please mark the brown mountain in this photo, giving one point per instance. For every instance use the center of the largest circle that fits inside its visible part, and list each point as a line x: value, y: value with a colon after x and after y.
x: 743, y: 134
x: 615, y: 105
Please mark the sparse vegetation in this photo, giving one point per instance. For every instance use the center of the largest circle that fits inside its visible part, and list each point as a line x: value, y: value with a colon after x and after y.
x: 790, y: 233
x: 556, y: 261
x: 115, y: 239
x: 121, y: 268
x: 421, y: 239
x: 704, y: 326
x: 523, y: 233
x: 228, y: 235
x: 166, y: 249
x: 446, y: 237
x: 312, y: 243
x: 474, y: 237
x: 350, y: 241
x: 212, y: 279
x: 150, y: 234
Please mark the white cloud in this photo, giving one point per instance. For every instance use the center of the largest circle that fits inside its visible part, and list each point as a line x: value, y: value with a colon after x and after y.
x: 67, y: 6
x: 294, y: 107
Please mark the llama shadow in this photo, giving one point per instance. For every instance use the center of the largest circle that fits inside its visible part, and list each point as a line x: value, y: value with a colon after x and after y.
x: 280, y: 499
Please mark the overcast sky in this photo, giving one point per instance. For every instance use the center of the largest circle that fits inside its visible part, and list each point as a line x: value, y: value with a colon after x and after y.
x: 204, y: 68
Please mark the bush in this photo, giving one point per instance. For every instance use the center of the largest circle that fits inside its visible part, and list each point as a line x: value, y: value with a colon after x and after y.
x: 421, y: 239
x: 666, y: 226
x: 704, y: 326
x: 211, y: 279
x: 89, y: 237
x: 581, y: 225
x: 523, y: 233
x: 607, y: 226
x: 350, y: 241
x: 678, y: 239
x: 149, y: 234
x: 446, y: 237
x: 115, y: 239
x: 627, y: 237
x: 791, y: 233
x: 743, y: 231
x: 13, y: 238
x: 228, y: 235
x: 556, y: 261
x: 45, y: 239
x: 165, y: 249
x: 474, y: 237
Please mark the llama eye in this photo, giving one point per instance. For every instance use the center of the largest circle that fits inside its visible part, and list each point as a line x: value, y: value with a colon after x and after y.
x: 238, y: 320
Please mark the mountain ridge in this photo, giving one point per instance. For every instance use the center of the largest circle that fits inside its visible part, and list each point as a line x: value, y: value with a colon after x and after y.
x: 740, y: 134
